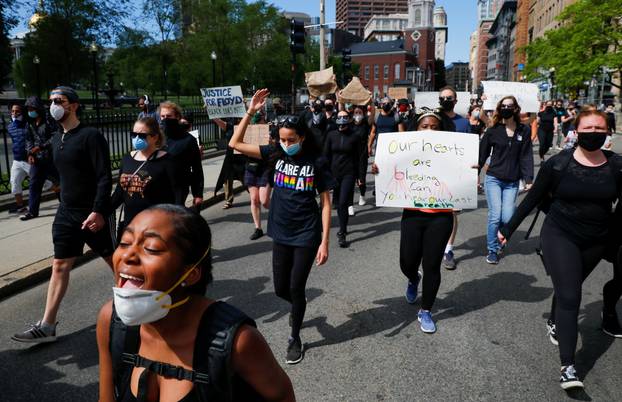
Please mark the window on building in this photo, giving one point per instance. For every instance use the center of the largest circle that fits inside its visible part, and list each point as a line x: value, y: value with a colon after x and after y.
x: 385, y: 74
x: 367, y: 72
x: 416, y: 49
x: 376, y: 93
x: 385, y: 90
x: 397, y: 72
x: 375, y: 71
x: 417, y: 17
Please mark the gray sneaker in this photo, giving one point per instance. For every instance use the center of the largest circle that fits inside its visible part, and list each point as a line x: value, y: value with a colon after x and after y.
x: 36, y: 334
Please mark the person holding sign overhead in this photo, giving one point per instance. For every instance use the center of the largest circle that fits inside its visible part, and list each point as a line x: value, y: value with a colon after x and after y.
x: 299, y: 229
x: 511, y: 160
x: 423, y: 236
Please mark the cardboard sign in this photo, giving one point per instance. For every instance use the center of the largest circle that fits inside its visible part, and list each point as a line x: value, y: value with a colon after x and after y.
x: 321, y: 82
x: 354, y: 93
x: 224, y: 102
x: 526, y: 94
x: 398, y: 93
x: 427, y: 169
x: 256, y: 134
x: 430, y: 100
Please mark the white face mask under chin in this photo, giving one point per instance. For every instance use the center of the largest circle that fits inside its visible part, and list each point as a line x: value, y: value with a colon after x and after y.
x: 57, y: 111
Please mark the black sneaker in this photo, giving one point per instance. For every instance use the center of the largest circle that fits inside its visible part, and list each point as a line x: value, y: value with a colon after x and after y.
x: 18, y: 210
x: 295, y: 351
x: 341, y: 239
x: 552, y: 332
x: 27, y: 216
x: 36, y: 334
x: 569, y: 378
x: 611, y: 325
x: 257, y: 234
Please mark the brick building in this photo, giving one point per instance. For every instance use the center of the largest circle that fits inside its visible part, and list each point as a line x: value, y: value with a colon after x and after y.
x: 501, y: 43
x: 522, y: 38
x: 356, y: 13
x: 542, y: 14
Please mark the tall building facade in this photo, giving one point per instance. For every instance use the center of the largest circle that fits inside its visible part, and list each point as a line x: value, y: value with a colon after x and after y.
x: 356, y: 13
x: 457, y: 75
x: 501, y: 43
x: 486, y: 13
x: 543, y: 14
x: 522, y: 39
x: 440, y: 27
x: 473, y: 42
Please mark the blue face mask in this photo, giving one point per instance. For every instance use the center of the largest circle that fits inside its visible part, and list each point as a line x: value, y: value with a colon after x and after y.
x: 292, y: 149
x: 139, y: 144
x: 33, y: 114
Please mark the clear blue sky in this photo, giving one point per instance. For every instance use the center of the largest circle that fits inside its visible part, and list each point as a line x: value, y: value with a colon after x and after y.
x: 461, y: 19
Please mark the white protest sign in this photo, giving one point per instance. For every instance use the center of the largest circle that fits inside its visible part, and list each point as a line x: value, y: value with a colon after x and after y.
x: 525, y: 93
x: 427, y: 169
x: 223, y: 102
x: 430, y: 100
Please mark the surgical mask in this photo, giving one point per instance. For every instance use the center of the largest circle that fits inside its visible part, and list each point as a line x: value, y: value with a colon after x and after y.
x: 507, y: 113
x: 57, y: 111
x: 139, y: 144
x: 292, y: 149
x: 475, y: 114
x: 358, y: 118
x: 591, y: 141
x: 139, y: 306
x: 33, y: 114
x: 329, y: 107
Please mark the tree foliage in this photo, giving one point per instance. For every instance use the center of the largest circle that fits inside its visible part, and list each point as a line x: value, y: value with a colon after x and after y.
x: 7, y: 21
x: 590, y: 37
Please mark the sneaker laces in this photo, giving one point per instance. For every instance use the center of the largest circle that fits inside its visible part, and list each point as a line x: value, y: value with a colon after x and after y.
x: 551, y: 329
x: 570, y: 371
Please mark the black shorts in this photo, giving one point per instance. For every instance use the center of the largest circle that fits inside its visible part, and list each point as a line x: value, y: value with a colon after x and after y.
x: 69, y: 238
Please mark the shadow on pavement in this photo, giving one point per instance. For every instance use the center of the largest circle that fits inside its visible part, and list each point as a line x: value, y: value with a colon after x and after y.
x: 245, y: 250
x: 476, y: 246
x: 28, y: 374
x: 594, y: 342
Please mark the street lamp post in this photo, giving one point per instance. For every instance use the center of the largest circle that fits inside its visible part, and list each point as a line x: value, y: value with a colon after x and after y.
x: 37, y: 62
x: 213, y: 55
x: 94, y: 49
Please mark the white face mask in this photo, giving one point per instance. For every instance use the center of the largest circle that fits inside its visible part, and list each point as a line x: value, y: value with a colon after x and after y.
x: 358, y: 118
x: 139, y: 306
x: 57, y: 111
x: 17, y: 118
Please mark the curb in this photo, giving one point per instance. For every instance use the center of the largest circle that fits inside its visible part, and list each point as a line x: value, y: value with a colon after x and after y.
x: 10, y: 202
x: 40, y: 271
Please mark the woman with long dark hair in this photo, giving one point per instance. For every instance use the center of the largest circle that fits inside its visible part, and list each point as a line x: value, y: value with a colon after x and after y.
x: 511, y: 160
x: 299, y: 230
x: 580, y: 186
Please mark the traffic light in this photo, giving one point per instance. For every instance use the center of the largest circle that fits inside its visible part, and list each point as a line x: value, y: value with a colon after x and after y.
x: 297, y: 36
x: 346, y: 59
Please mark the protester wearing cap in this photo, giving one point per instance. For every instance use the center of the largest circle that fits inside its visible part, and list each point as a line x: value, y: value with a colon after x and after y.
x: 39, y: 149
x: 81, y: 156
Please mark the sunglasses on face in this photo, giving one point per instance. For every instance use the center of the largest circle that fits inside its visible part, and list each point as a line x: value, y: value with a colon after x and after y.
x: 288, y: 121
x: 139, y: 135
x: 507, y: 106
x: 57, y: 101
x: 446, y: 98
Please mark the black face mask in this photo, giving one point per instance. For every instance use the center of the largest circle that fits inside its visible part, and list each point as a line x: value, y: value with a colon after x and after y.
x: 447, y: 105
x: 549, y: 108
x: 170, y: 127
x: 507, y: 113
x: 317, y: 108
x: 591, y: 141
x: 329, y: 108
x: 386, y: 107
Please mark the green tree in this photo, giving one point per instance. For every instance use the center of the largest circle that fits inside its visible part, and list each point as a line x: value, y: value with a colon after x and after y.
x: 7, y: 21
x: 440, y: 79
x: 590, y: 37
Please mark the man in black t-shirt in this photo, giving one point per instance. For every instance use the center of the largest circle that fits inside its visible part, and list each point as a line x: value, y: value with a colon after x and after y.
x: 547, y: 123
x: 82, y: 158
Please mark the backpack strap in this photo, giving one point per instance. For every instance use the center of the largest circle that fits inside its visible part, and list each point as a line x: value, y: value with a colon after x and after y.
x: 213, y: 348
x: 123, y: 340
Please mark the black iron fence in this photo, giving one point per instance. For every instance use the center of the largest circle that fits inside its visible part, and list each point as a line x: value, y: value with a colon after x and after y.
x: 116, y: 127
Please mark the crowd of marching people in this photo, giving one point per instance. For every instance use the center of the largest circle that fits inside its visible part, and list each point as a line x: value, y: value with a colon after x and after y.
x: 315, y: 161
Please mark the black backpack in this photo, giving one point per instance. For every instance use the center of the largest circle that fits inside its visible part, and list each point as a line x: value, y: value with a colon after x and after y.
x: 212, y: 374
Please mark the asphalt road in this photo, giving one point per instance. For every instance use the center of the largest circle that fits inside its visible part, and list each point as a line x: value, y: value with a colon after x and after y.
x: 363, y: 340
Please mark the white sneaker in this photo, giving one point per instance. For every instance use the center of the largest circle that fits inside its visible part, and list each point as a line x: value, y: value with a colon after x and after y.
x: 362, y: 201
x: 351, y: 210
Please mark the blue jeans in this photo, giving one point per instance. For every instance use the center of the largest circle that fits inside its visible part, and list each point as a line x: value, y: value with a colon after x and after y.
x: 501, y: 198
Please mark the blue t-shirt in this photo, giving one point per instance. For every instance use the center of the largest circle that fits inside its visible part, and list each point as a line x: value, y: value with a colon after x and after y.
x: 294, y: 216
x: 462, y: 124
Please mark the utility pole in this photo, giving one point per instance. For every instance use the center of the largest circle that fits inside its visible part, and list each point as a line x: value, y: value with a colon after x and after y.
x: 602, y: 84
x: 322, y: 35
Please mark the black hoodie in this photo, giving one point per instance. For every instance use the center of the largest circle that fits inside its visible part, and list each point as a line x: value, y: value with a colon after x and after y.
x: 187, y: 155
x: 344, y: 151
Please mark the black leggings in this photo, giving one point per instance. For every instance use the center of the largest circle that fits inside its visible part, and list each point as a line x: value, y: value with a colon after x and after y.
x: 612, y: 291
x: 568, y: 263
x: 545, y: 138
x: 343, y: 194
x: 423, y: 238
x: 290, y: 269
x: 363, y: 185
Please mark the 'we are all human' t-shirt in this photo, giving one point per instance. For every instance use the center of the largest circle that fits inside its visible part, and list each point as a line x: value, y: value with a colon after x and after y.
x: 294, y: 217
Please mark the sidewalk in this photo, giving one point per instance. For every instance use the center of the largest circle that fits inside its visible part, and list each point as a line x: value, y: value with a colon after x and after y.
x: 26, y: 247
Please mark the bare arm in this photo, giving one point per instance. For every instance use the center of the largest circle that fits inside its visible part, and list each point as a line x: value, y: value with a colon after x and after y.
x: 322, y: 253
x: 220, y: 123
x: 253, y: 360
x: 106, y: 384
x: 237, y: 141
x: 370, y: 141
